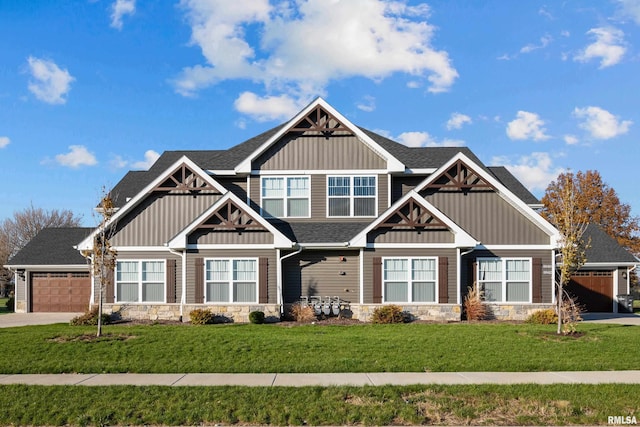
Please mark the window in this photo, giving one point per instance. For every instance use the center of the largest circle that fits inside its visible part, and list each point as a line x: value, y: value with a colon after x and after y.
x: 351, y: 196
x: 231, y: 280
x: 140, y: 281
x: 409, y: 279
x: 505, y: 279
x: 285, y: 196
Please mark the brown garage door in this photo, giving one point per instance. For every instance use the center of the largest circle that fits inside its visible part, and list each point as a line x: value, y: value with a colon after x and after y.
x: 60, y: 292
x: 594, y: 290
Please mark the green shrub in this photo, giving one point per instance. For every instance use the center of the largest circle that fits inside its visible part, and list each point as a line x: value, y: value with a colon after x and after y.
x: 388, y: 314
x: 543, y: 317
x: 11, y: 304
x: 90, y: 318
x: 201, y: 316
x: 256, y: 317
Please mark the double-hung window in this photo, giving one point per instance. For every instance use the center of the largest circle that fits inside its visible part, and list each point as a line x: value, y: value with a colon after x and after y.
x: 409, y: 279
x: 285, y: 197
x: 231, y: 280
x: 140, y: 281
x: 351, y: 196
x: 505, y: 279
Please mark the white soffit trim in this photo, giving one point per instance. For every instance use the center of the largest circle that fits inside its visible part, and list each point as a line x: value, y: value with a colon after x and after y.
x: 87, y: 243
x: 393, y: 164
x: 461, y: 239
x: 503, y: 191
x: 180, y: 240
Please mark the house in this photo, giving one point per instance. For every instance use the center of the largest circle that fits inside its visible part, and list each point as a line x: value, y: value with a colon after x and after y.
x: 316, y: 207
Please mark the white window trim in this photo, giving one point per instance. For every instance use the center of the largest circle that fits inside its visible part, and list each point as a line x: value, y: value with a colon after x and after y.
x: 285, y: 198
x: 410, y: 281
x: 504, y: 278
x: 230, y: 281
x: 139, y: 301
x: 352, y: 196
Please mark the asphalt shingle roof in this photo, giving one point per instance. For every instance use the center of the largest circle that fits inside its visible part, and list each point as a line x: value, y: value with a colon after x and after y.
x: 53, y: 246
x: 320, y: 232
x: 604, y: 248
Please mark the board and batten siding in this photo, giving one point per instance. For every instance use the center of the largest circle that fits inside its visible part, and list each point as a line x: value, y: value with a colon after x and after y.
x: 322, y: 273
x: 157, y: 219
x: 270, y: 254
x: 318, y: 188
x: 489, y: 218
x: 402, y: 184
x: 545, y: 256
x: 452, y: 267
x: 319, y: 153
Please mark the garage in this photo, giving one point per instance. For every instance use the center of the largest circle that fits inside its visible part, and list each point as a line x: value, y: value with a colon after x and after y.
x: 60, y: 292
x: 593, y: 289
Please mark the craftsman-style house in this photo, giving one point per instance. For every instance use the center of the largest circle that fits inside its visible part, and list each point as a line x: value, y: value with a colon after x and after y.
x: 316, y: 209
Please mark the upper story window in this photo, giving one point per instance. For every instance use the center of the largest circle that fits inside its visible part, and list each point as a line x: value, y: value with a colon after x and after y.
x: 505, y: 279
x: 351, y: 196
x: 140, y: 281
x: 285, y: 197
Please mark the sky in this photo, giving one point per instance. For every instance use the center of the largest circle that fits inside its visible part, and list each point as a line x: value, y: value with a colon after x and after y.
x: 90, y: 89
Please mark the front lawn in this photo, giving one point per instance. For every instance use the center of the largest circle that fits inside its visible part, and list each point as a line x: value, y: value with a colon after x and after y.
x: 3, y: 306
x: 317, y: 348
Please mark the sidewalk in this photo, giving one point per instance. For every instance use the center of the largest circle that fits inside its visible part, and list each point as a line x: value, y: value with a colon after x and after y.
x: 328, y: 379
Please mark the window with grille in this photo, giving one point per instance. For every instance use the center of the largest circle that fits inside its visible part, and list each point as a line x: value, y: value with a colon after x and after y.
x: 231, y: 280
x: 409, y: 279
x: 351, y: 196
x: 505, y: 279
x: 140, y: 281
x: 285, y: 197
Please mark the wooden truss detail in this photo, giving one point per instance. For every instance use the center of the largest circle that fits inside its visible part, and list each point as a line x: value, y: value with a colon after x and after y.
x: 230, y: 216
x: 412, y: 215
x: 460, y: 177
x: 183, y: 179
x: 320, y: 120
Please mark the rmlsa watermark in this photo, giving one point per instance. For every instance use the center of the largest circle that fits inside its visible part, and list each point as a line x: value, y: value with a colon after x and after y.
x: 629, y: 419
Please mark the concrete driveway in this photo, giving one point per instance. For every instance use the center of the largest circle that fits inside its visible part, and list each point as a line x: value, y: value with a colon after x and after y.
x: 618, y: 318
x: 24, y: 319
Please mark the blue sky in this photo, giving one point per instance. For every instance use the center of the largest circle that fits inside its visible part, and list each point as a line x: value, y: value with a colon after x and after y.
x: 92, y: 89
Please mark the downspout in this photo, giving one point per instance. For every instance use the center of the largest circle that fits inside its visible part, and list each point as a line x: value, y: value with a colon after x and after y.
x: 280, y: 293
x: 183, y: 279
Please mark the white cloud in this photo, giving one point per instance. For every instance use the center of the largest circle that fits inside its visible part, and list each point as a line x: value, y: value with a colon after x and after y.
x: 544, y: 42
x: 368, y: 104
x: 600, y: 123
x: 49, y: 83
x: 629, y: 9
x: 119, y: 9
x: 608, y: 46
x: 150, y: 157
x: 457, y: 120
x: 571, y: 139
x: 423, y: 139
x: 4, y: 141
x: 78, y: 156
x: 297, y: 48
x: 535, y: 171
x: 527, y: 126
x: 268, y: 107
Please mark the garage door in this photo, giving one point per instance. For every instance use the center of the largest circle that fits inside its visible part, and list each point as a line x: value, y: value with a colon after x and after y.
x: 60, y: 292
x: 594, y: 290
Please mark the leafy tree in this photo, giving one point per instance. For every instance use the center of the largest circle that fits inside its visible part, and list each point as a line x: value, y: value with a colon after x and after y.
x: 596, y: 203
x: 17, y: 231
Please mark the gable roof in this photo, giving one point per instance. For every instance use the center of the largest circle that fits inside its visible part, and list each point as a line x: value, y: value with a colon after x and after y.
x: 52, y: 246
x: 393, y: 164
x: 511, y: 182
x: 604, y: 249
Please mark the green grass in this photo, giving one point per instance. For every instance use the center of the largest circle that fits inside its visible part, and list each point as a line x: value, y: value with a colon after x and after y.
x: 3, y: 306
x: 411, y: 405
x: 317, y: 348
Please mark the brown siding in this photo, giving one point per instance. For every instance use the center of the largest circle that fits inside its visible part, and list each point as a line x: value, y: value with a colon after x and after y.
x: 237, y: 185
x: 369, y: 255
x: 319, y: 153
x: 228, y: 237
x: 383, y: 235
x: 402, y: 184
x: 489, y: 218
x: 546, y: 273
x: 622, y: 282
x: 159, y: 218
x: 269, y: 254
x: 319, y: 273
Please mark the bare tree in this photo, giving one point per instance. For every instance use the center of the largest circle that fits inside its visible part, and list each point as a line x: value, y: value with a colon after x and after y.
x: 103, y: 254
x: 566, y: 215
x: 17, y: 231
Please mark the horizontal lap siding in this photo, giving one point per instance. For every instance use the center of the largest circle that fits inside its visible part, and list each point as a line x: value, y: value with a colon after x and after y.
x: 489, y: 218
x: 232, y: 253
x: 158, y: 219
x: 406, y: 236
x: 319, y: 273
x: 452, y: 267
x: 232, y: 238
